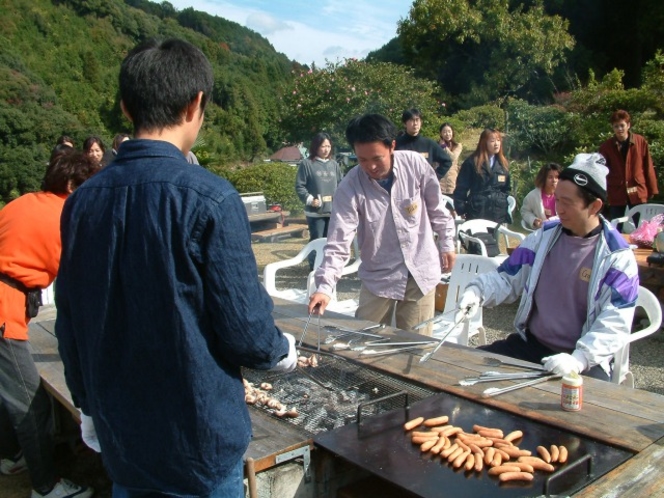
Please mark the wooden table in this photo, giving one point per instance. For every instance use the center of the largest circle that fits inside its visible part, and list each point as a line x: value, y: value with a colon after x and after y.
x: 631, y: 419
x: 650, y: 276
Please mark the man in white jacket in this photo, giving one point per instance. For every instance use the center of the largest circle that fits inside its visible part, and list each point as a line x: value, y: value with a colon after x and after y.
x: 577, y: 280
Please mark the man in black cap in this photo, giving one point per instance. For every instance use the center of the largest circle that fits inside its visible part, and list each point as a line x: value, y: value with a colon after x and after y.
x: 577, y: 280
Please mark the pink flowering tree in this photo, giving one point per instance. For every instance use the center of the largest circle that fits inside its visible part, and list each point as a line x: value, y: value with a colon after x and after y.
x: 326, y: 99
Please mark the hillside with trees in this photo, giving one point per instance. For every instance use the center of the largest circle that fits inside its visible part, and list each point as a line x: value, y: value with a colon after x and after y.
x: 59, y: 65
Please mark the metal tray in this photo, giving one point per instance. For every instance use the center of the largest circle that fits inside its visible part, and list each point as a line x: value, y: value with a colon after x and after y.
x: 380, y: 445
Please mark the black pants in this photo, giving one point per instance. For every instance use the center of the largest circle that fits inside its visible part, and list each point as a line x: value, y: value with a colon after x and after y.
x: 533, y: 351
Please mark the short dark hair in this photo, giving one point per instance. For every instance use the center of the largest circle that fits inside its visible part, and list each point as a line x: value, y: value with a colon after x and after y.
x: 543, y: 173
x: 90, y: 141
x: 620, y: 115
x: 411, y: 113
x: 68, y: 168
x: 118, y: 139
x: 64, y: 139
x: 158, y: 80
x: 371, y: 128
x: 316, y: 142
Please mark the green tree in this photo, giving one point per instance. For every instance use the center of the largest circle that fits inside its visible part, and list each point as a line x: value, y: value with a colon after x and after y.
x: 326, y: 99
x: 483, y: 50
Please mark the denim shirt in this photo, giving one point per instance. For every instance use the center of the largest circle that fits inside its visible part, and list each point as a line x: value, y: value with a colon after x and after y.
x: 159, y: 305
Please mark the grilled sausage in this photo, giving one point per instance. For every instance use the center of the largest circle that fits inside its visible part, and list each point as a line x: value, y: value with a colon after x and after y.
x: 562, y: 457
x: 544, y: 454
x: 501, y: 469
x: 427, y: 445
x: 525, y: 467
x: 554, y: 453
x: 455, y: 454
x: 537, y: 463
x: 491, y: 433
x: 470, y: 462
x: 413, y: 423
x: 515, y: 476
x: 514, y: 451
x: 513, y: 436
x: 488, y: 455
x: 438, y: 447
x: 425, y: 434
x: 497, y: 460
x: 435, y: 422
x: 461, y: 459
x: 421, y: 439
x: 448, y: 451
x: 479, y: 462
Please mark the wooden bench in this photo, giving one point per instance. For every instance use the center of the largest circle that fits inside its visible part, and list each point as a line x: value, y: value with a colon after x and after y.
x: 280, y: 233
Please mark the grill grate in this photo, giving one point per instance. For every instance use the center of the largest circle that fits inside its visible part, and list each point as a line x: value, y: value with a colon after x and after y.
x: 321, y: 409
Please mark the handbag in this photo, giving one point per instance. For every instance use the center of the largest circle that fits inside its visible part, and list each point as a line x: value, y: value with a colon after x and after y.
x: 645, y: 234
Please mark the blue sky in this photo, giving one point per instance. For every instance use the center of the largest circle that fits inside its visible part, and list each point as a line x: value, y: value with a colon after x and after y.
x: 313, y: 31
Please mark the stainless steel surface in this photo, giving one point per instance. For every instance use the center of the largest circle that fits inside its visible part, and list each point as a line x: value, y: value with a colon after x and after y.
x: 495, y: 362
x: 494, y: 391
x: 470, y: 381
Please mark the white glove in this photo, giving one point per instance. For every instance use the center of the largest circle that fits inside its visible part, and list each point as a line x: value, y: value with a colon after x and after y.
x: 289, y: 363
x: 89, y: 434
x: 563, y: 363
x: 468, y: 304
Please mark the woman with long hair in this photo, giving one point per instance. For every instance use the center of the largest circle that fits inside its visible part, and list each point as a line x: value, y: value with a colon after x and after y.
x: 317, y: 179
x: 94, y: 148
x: 540, y: 204
x: 483, y: 184
x: 453, y: 148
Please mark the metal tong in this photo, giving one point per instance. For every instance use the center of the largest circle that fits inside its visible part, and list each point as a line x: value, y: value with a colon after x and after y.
x: 494, y: 391
x: 498, y: 376
x: 464, y: 316
x: 346, y: 332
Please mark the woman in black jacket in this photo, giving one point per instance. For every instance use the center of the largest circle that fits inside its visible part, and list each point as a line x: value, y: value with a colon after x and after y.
x: 483, y: 183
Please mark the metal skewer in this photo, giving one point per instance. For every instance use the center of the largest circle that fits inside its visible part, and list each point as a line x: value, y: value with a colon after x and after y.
x: 470, y: 381
x: 299, y: 344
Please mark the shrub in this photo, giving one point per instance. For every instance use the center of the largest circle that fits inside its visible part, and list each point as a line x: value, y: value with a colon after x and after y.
x: 537, y: 129
x: 486, y: 116
x: 275, y: 180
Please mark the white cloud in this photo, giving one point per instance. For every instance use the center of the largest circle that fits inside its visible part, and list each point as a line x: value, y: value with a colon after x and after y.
x: 265, y: 24
x: 309, y: 31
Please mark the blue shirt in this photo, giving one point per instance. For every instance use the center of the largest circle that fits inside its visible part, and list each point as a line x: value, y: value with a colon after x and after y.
x: 159, y: 305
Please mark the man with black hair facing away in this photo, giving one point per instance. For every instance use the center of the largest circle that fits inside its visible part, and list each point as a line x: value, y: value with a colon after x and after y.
x: 29, y: 258
x: 392, y: 201
x: 439, y: 160
x: 159, y: 303
x: 577, y: 280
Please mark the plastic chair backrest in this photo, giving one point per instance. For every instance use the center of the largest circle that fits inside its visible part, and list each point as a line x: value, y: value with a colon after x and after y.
x: 646, y: 212
x: 653, y: 309
x: 466, y: 268
x: 511, y: 205
x: 525, y: 226
x: 479, y: 225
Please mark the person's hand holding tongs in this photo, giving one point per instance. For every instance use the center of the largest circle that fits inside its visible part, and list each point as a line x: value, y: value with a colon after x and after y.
x: 468, y: 306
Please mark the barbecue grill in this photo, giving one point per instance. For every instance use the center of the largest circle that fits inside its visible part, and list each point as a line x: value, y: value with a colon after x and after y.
x: 357, y: 413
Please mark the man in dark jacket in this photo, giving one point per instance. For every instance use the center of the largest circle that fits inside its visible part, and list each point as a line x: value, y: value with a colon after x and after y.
x: 159, y: 304
x: 412, y: 140
x: 632, y: 179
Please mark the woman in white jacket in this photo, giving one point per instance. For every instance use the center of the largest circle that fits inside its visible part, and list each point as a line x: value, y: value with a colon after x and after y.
x: 540, y: 204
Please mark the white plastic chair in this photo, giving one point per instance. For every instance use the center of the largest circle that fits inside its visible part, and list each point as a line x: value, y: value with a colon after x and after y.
x: 511, y: 205
x: 302, y: 295
x: 475, y: 226
x: 525, y: 226
x: 653, y: 309
x: 48, y: 294
x: 647, y: 211
x: 466, y: 268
